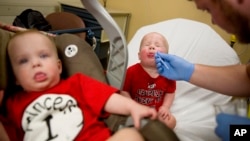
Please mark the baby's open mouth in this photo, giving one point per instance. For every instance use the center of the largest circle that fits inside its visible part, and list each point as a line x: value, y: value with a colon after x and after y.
x: 151, y: 55
x: 40, y: 76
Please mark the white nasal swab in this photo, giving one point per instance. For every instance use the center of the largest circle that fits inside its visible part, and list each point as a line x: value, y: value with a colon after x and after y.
x: 164, y: 63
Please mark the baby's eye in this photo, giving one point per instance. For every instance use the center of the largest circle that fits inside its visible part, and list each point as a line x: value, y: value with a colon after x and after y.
x: 23, y: 61
x: 44, y: 55
x: 157, y: 45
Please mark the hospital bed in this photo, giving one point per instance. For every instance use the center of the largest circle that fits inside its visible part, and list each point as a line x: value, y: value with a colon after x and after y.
x: 197, y: 43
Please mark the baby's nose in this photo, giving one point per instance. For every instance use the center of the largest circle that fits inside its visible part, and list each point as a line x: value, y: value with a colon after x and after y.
x: 152, y: 47
x: 36, y: 63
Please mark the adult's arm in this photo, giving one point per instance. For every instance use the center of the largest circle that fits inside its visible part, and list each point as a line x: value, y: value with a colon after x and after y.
x: 230, y: 80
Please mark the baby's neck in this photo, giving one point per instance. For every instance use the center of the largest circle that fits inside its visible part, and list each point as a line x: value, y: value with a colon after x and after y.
x: 152, y: 71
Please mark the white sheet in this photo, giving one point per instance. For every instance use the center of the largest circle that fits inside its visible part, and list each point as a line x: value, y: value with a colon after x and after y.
x: 198, y: 43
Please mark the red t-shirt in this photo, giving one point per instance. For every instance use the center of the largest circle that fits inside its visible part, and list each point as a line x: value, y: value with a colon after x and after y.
x: 145, y: 89
x: 70, y: 110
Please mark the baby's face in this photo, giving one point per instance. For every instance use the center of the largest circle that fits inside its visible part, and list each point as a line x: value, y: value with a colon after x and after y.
x: 152, y: 43
x: 34, y: 61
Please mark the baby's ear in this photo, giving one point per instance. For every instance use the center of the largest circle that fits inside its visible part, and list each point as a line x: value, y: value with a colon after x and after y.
x: 138, y: 54
x: 59, y: 64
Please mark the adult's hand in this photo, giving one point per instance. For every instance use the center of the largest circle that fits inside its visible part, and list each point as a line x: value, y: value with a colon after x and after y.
x: 223, y: 124
x: 173, y: 67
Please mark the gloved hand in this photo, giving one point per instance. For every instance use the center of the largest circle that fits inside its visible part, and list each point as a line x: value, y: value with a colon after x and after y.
x: 223, y: 124
x: 176, y: 67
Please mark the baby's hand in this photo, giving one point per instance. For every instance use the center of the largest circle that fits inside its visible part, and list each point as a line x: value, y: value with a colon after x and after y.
x: 163, y: 112
x: 139, y: 111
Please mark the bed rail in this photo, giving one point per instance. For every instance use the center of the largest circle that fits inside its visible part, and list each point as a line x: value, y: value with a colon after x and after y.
x: 118, y: 54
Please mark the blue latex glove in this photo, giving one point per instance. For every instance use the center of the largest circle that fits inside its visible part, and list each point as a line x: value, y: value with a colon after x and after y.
x: 223, y: 124
x: 173, y: 67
